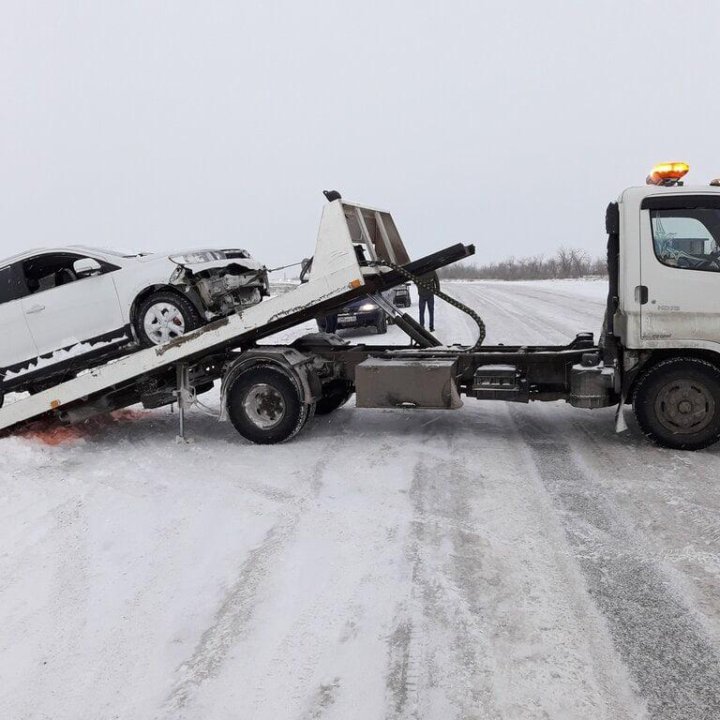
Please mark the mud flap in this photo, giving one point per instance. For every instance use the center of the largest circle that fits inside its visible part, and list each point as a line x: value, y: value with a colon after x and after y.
x: 620, y: 424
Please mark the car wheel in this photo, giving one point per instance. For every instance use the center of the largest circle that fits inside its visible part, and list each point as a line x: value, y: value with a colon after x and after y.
x: 381, y: 324
x: 265, y: 405
x: 677, y: 403
x: 164, y: 316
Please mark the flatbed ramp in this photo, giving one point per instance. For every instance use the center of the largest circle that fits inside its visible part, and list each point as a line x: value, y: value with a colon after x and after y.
x: 338, y: 276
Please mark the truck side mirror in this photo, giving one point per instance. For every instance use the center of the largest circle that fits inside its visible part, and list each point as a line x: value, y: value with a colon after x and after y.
x: 85, y: 267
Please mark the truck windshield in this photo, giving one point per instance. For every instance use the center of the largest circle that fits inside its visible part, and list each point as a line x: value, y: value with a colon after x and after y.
x: 687, y: 238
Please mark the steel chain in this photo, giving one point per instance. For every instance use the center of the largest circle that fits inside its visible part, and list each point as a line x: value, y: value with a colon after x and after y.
x: 449, y: 300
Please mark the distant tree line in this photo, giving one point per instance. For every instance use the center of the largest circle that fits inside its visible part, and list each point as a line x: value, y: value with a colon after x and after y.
x: 566, y: 263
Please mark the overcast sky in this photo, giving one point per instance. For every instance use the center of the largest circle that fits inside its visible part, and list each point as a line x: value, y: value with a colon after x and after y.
x: 160, y: 125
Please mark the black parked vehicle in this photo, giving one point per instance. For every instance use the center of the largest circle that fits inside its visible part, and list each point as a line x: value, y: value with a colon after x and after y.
x: 401, y: 296
x: 358, y: 313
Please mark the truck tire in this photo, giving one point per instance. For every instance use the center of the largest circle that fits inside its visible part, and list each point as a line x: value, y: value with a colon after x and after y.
x: 265, y: 405
x: 163, y: 316
x: 677, y: 403
x: 334, y: 396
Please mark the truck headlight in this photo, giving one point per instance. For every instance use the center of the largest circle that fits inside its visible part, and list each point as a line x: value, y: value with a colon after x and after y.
x: 197, y: 258
x: 368, y: 307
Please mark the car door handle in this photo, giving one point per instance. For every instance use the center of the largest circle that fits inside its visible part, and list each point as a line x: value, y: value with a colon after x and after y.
x: 35, y: 309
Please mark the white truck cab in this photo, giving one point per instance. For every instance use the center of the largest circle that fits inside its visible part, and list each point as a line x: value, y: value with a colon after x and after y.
x: 662, y: 326
x: 669, y: 279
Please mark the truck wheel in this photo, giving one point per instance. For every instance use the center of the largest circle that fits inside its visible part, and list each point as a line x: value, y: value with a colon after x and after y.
x: 381, y: 325
x: 677, y: 403
x: 265, y: 405
x: 164, y: 316
x: 336, y: 395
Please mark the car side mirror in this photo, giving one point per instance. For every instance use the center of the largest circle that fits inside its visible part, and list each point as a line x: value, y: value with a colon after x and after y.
x: 85, y: 267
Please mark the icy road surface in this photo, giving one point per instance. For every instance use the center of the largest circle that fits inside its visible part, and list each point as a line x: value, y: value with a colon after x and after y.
x: 495, y: 562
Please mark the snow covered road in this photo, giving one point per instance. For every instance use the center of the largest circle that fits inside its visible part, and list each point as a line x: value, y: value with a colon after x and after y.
x: 502, y: 561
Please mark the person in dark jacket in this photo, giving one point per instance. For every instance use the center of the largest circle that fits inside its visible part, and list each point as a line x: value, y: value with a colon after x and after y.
x: 331, y: 322
x: 427, y: 284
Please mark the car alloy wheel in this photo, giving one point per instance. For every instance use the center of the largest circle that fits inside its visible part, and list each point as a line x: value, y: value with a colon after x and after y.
x: 163, y: 322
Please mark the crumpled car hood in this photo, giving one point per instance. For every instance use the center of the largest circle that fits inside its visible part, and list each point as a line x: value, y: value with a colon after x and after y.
x: 249, y: 263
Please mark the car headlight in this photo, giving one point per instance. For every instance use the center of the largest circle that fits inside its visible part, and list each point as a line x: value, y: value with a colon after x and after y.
x: 197, y: 258
x: 367, y: 307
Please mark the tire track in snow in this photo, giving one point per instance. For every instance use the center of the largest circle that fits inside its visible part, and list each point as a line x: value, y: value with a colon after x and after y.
x: 507, y: 627
x: 237, y: 608
x: 449, y: 571
x: 445, y: 612
x: 674, y: 662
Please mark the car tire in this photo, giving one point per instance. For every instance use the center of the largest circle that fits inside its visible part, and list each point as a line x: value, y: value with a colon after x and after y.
x: 677, y: 403
x: 265, y: 405
x: 381, y: 324
x: 164, y: 316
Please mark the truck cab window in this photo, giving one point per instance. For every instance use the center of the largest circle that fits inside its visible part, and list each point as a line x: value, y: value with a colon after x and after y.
x: 687, y: 239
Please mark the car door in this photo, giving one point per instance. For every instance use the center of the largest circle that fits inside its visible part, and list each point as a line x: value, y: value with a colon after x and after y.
x: 17, y: 345
x: 80, y: 310
x: 680, y: 269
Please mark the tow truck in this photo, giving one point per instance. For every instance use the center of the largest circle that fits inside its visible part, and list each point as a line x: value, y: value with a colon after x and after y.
x: 658, y: 349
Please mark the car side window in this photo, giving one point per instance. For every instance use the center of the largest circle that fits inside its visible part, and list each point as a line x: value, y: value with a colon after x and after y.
x: 12, y: 285
x: 687, y: 238
x: 45, y: 272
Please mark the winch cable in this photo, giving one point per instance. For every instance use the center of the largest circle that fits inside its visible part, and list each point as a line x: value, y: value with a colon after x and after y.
x: 438, y: 293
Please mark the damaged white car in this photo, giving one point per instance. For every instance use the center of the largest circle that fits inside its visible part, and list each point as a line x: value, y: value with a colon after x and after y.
x: 62, y: 309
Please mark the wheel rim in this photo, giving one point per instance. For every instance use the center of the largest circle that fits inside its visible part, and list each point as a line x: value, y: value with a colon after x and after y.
x: 163, y: 321
x: 685, y: 406
x: 264, y: 406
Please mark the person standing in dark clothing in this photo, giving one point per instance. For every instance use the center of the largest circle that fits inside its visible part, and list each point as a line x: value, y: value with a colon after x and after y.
x: 331, y: 322
x: 427, y: 284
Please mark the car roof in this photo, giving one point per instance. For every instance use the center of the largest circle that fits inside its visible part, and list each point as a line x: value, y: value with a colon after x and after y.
x: 44, y: 251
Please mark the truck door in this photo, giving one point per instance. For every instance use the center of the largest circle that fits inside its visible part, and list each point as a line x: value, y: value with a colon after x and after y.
x: 679, y: 294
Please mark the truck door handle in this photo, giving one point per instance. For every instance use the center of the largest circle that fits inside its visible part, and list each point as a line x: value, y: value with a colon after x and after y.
x: 641, y: 294
x: 35, y: 309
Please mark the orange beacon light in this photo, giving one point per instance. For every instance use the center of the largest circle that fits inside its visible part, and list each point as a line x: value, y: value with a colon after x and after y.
x: 669, y: 173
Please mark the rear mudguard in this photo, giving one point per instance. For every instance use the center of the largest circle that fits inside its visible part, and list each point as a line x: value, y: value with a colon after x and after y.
x: 298, y: 367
